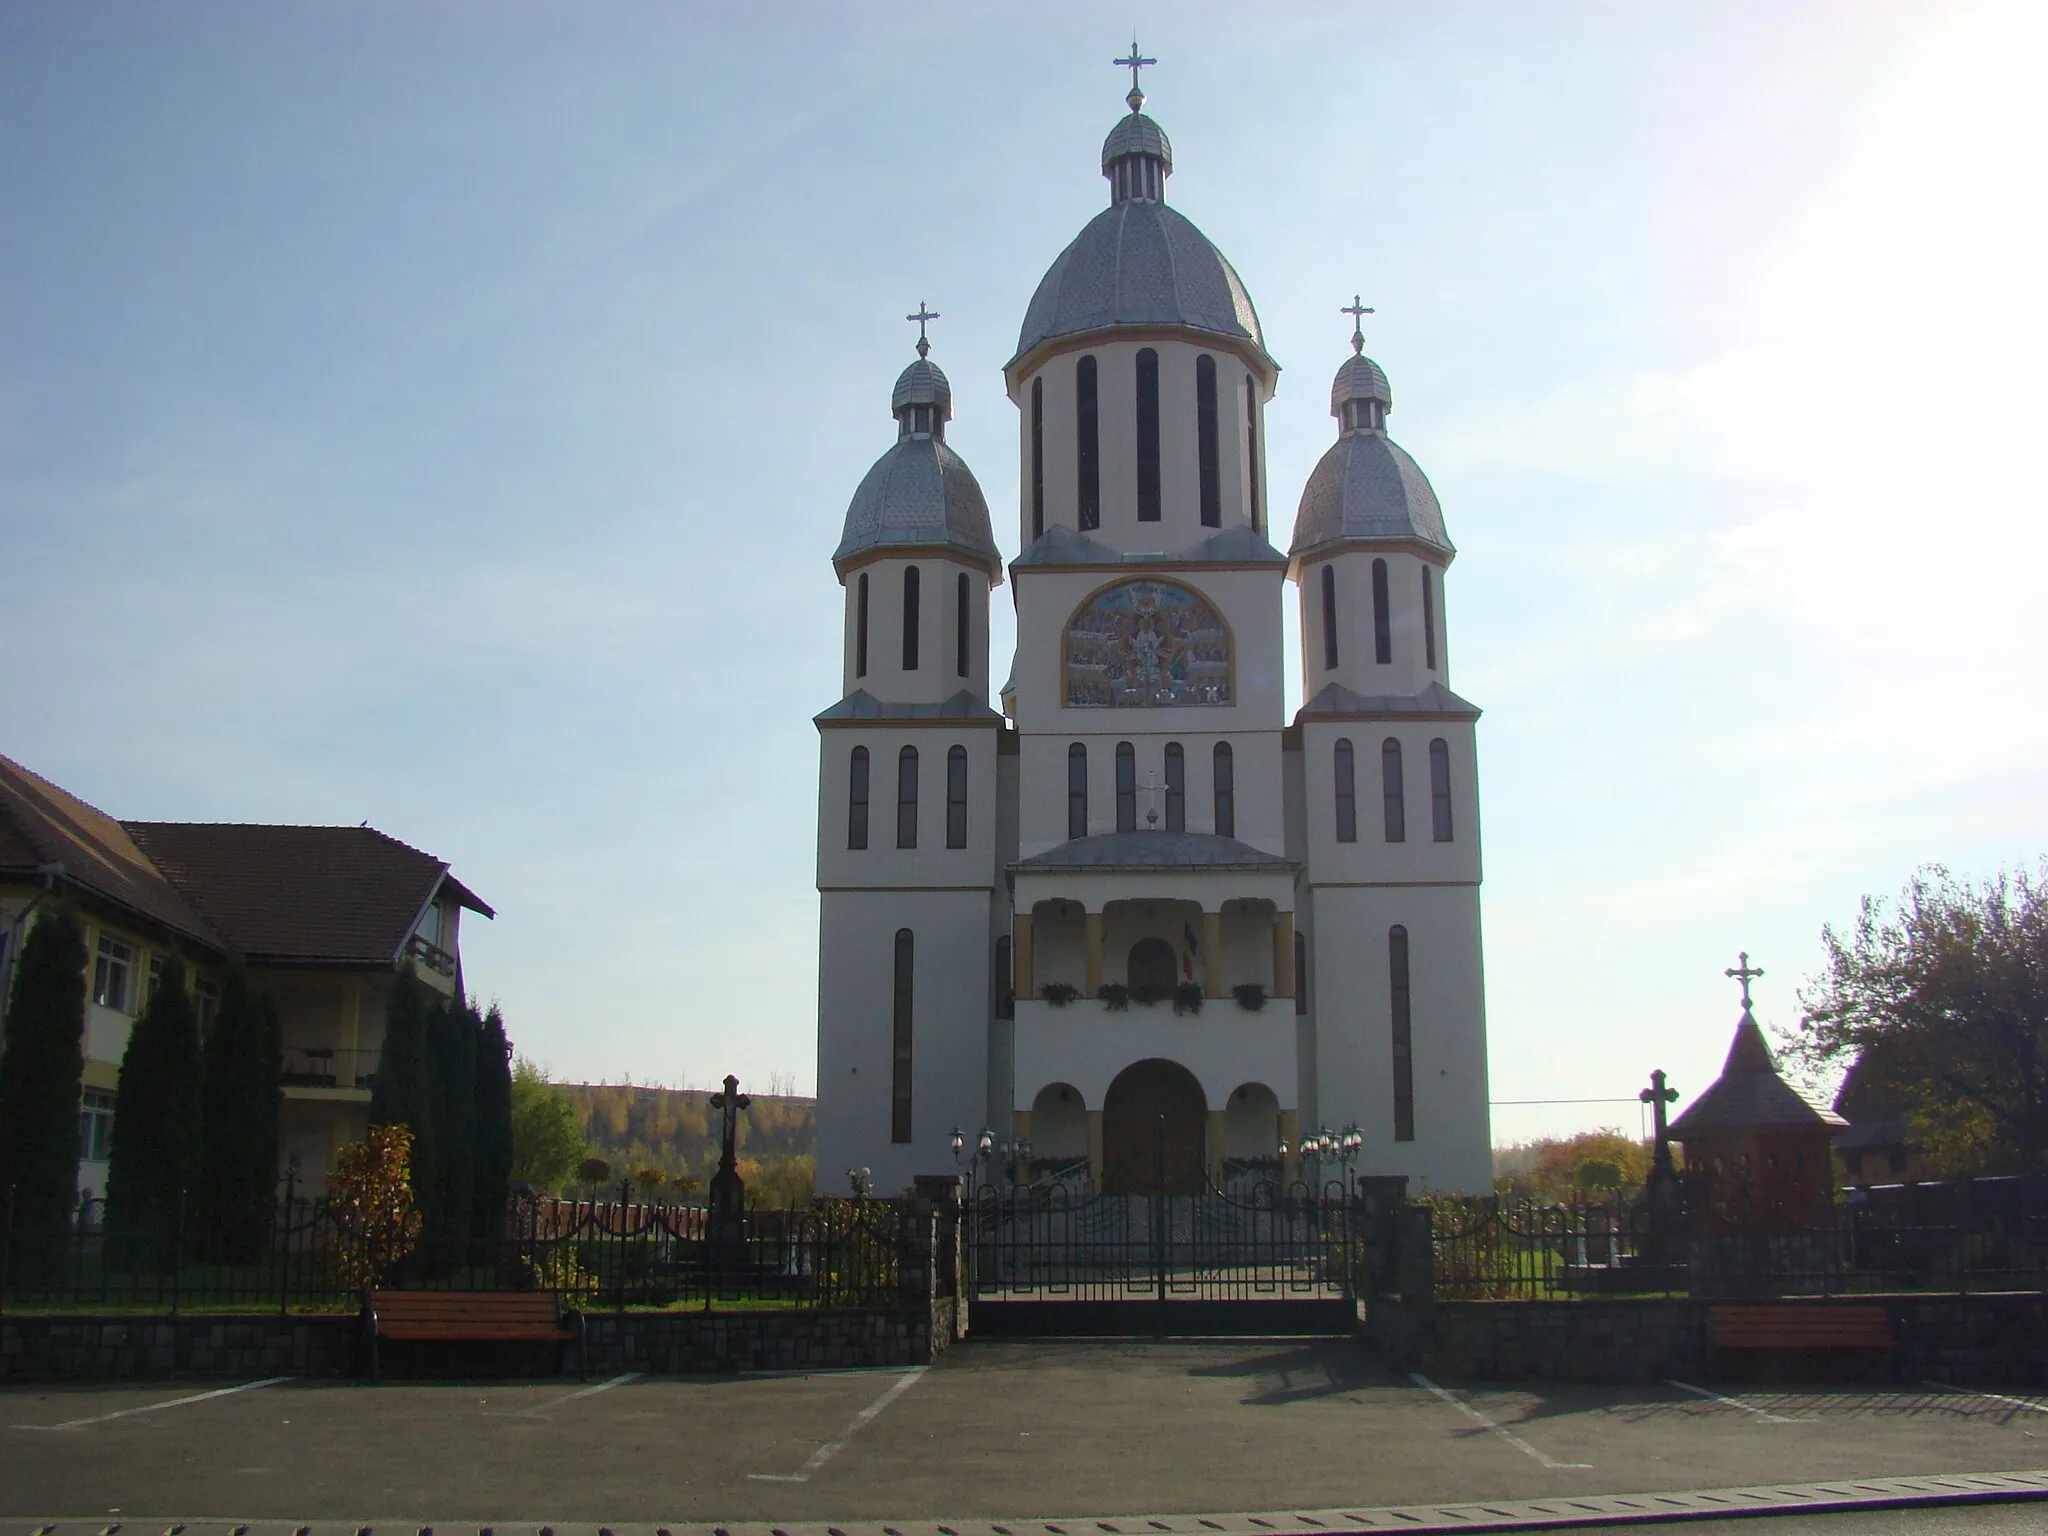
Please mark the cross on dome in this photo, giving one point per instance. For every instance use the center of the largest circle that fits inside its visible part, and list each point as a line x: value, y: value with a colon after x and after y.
x: 1357, y: 311
x: 1134, y: 64
x: 1744, y: 972
x: 923, y: 314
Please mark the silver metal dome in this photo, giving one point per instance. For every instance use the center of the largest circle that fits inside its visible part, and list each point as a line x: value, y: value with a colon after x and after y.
x: 920, y: 494
x: 1366, y: 487
x: 1359, y: 379
x: 1136, y: 134
x: 922, y: 383
x: 1139, y: 263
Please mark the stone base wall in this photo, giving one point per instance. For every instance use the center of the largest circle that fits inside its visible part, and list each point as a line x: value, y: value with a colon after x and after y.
x: 1967, y: 1340
x: 101, y: 1348
x: 674, y: 1343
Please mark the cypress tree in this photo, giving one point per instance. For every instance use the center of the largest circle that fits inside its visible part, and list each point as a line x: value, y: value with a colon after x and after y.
x: 491, y: 1165
x: 42, y: 1065
x: 242, y: 1059
x: 402, y: 1094
x: 451, y: 1076
x: 154, y: 1159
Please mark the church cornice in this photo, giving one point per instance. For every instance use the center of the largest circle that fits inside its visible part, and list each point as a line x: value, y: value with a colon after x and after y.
x: 846, y: 565
x: 1246, y: 351
x: 861, y: 708
x: 1334, y: 702
x: 1435, y: 554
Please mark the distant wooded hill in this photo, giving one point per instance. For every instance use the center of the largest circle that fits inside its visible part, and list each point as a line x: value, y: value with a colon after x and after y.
x: 676, y: 1130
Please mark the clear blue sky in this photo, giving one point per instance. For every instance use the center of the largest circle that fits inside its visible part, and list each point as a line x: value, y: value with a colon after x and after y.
x: 443, y: 415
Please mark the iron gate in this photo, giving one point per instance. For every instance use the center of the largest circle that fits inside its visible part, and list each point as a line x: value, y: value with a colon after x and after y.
x: 1060, y: 1259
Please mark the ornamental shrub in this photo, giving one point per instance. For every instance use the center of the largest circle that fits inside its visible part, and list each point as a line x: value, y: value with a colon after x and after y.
x: 42, y: 1064
x: 370, y: 1196
x: 154, y: 1160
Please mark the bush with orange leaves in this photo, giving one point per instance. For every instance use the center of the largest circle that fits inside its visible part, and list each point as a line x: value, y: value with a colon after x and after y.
x: 369, y: 1195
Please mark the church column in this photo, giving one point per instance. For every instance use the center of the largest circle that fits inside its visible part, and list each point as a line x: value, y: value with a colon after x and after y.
x: 1095, y: 1148
x: 1092, y: 923
x: 1212, y: 954
x: 1283, y: 954
x: 1020, y: 956
x: 1290, y: 1137
x: 1219, y: 1144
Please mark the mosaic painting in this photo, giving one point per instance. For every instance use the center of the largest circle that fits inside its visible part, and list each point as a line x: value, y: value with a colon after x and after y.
x: 1147, y: 645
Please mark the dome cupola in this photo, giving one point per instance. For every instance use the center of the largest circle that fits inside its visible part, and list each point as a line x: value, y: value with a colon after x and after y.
x: 923, y: 398
x: 1137, y: 157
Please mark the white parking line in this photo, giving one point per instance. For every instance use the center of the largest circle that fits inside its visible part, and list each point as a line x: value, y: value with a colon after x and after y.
x: 569, y: 1397
x: 2016, y: 1402
x: 1715, y: 1397
x: 1512, y: 1439
x: 827, y: 1451
x: 174, y: 1402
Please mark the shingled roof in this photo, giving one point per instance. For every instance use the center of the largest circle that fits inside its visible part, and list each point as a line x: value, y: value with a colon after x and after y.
x: 1749, y: 1094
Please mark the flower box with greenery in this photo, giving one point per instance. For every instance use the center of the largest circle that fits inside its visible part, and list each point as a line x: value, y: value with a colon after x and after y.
x: 1250, y: 995
x: 1116, y: 997
x: 1187, y: 997
x: 1059, y: 993
x: 1149, y: 992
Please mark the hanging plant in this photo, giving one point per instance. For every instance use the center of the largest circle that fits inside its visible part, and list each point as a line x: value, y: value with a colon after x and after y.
x: 1116, y: 997
x: 1148, y: 993
x: 1059, y: 993
x: 1187, y: 997
x: 1250, y: 995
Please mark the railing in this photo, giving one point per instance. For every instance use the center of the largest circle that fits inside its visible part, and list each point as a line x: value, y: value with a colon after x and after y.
x: 433, y: 954
x: 313, y: 1066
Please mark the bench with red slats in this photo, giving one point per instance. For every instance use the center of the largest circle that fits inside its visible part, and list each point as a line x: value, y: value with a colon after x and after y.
x: 490, y: 1316
x: 1825, y: 1325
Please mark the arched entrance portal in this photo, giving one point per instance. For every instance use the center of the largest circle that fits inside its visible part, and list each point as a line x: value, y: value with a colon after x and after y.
x: 1155, y: 1121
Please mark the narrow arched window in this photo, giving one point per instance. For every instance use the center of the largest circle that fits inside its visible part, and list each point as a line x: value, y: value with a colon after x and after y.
x: 1429, y: 618
x: 1300, y: 973
x: 906, y: 798
x: 1126, y: 787
x: 1038, y: 457
x: 1251, y: 452
x: 910, y: 581
x: 1390, y: 791
x: 1006, y: 987
x: 1148, y: 435
x: 857, y: 799
x: 1382, y: 620
x: 1176, y: 788
x: 902, y: 1006
x: 1087, y: 445
x: 1077, y: 790
x: 1347, y: 793
x: 860, y: 626
x: 1329, y: 615
x: 1206, y: 452
x: 1225, y: 771
x: 956, y: 797
x: 1440, y: 790
x: 963, y: 624
x: 1399, y: 1005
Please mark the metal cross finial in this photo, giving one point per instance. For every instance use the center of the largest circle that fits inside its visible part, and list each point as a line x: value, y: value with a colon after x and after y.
x: 1134, y: 64
x: 1357, y: 311
x: 923, y: 314
x: 1743, y: 973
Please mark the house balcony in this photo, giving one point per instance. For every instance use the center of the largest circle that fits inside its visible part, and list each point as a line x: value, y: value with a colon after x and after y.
x: 321, y: 1072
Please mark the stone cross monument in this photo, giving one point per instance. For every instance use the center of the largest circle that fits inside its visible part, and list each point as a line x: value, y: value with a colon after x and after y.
x: 728, y: 1193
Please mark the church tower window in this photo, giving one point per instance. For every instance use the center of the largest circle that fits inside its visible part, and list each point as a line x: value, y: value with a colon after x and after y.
x: 899, y: 1036
x: 1205, y: 441
x: 1399, y: 1004
x: 906, y: 798
x: 1038, y: 457
x: 1390, y: 791
x: 857, y: 799
x: 1382, y: 620
x: 1428, y: 618
x: 1176, y: 788
x: 963, y: 622
x: 1440, y: 789
x: 1347, y: 793
x: 1148, y: 435
x: 1251, y: 451
x: 1087, y: 445
x: 1077, y: 790
x: 1006, y: 991
x: 1126, y: 787
x: 860, y: 626
x: 910, y: 581
x: 1330, y: 616
x: 1225, y: 771
x: 956, y: 797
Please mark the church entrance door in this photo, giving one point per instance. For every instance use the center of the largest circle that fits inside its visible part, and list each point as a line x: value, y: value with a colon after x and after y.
x: 1155, y: 1123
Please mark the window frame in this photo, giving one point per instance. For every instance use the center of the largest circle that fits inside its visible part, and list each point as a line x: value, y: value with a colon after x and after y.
x: 1038, y: 458
x: 1147, y: 393
x: 1251, y: 452
x: 1382, y: 617
x: 1208, y: 447
x: 1126, y: 787
x: 113, y: 973
x: 906, y: 798
x: 956, y: 796
x: 860, y: 626
x: 1223, y: 785
x: 912, y: 584
x: 1428, y: 616
x: 1344, y: 774
x: 1176, y: 776
x: 1329, y: 584
x: 859, y: 788
x: 1077, y: 789
x: 1393, y: 792
x: 963, y: 623
x: 1087, y: 444
x: 1441, y: 825
x: 902, y: 1036
x: 1401, y: 1012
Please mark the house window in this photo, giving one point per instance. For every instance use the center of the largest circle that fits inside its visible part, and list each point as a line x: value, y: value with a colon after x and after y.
x: 1038, y: 457
x: 1347, y: 794
x: 1440, y: 790
x: 1301, y: 973
x: 1382, y: 620
x: 1226, y: 791
x: 1251, y: 450
x: 899, y: 1053
x: 1390, y: 791
x: 860, y: 626
x: 112, y: 974
x: 906, y: 798
x: 956, y: 797
x: 1404, y: 1035
x: 1176, y: 788
x: 1148, y: 435
x: 156, y: 975
x: 205, y: 1003
x: 1329, y: 616
x: 1429, y: 618
x: 95, y: 1126
x: 1205, y: 441
x: 1126, y: 787
x: 910, y: 582
x: 1077, y: 790
x: 1087, y: 447
x: 1006, y: 993
x: 857, y: 799
x: 963, y: 623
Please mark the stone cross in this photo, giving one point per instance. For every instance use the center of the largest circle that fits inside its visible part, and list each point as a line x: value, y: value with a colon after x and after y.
x: 1744, y: 973
x: 732, y: 1101
x: 923, y: 314
x: 1357, y: 311
x: 1657, y: 1096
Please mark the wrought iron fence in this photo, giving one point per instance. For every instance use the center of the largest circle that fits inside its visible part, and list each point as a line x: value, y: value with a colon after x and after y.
x: 599, y: 1255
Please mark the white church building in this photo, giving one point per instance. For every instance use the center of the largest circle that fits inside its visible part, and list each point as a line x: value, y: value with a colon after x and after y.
x: 1127, y: 911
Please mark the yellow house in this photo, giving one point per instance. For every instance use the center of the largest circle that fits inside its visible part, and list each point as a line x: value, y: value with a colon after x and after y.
x: 324, y: 918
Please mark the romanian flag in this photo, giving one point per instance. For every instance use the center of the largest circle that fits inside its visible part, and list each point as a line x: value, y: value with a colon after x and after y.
x: 1187, y: 959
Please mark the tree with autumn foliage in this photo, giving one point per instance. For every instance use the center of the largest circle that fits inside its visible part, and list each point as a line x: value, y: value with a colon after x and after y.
x: 370, y: 1195
x: 1599, y: 1165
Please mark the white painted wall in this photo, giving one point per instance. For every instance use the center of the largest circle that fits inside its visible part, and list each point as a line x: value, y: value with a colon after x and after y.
x: 937, y: 676
x: 1085, y: 1046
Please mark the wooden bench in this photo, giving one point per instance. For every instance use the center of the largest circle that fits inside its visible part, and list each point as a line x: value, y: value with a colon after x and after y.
x: 1812, y: 1325
x: 490, y: 1316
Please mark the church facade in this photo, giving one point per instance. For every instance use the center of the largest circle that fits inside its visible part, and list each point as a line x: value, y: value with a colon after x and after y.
x: 1125, y: 911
